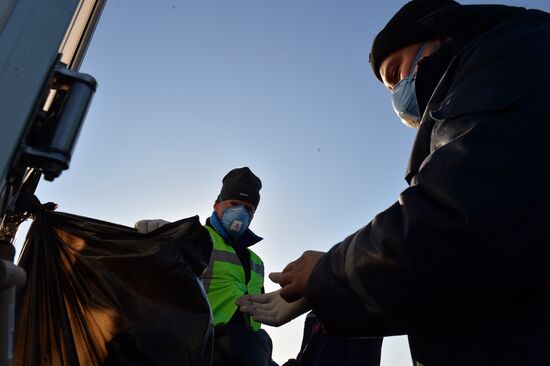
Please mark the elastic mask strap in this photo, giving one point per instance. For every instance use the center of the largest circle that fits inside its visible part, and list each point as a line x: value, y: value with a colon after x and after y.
x: 417, y: 58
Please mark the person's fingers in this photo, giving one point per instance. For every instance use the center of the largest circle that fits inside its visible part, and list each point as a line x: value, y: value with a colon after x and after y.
x: 275, y: 276
x: 146, y: 226
x: 287, y: 278
x: 140, y: 226
x: 259, y: 312
x: 263, y: 298
x: 243, y: 300
x: 289, y: 267
x: 156, y: 224
x: 265, y: 315
x: 247, y: 305
x: 248, y: 308
x: 290, y: 293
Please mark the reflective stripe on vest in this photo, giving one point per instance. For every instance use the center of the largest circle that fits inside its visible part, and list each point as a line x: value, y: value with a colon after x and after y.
x: 224, y: 279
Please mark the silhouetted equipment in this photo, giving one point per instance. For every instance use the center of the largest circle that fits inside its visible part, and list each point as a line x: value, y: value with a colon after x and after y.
x: 43, y: 105
x: 51, y: 142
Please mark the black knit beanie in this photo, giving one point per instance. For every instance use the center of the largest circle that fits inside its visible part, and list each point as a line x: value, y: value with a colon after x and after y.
x: 404, y: 30
x: 241, y: 184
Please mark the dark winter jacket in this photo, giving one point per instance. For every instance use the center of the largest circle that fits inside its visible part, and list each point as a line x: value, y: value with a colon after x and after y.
x: 461, y: 263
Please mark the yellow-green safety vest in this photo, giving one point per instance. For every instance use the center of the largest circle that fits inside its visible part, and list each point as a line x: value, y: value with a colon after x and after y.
x: 224, y: 280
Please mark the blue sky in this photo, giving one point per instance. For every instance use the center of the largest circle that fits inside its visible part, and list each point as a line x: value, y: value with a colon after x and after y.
x: 191, y: 89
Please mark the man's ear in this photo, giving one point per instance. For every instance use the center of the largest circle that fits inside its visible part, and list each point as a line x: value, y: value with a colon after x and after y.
x: 217, y: 208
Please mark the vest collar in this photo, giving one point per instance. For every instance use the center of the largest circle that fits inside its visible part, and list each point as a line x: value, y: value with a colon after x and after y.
x: 246, y: 240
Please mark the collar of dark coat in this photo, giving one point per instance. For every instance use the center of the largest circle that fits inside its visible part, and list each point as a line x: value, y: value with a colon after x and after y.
x: 421, y: 147
x: 462, y: 23
x: 246, y: 240
x: 430, y: 71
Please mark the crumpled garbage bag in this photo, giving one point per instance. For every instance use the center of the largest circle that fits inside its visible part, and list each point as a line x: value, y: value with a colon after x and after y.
x: 99, y: 293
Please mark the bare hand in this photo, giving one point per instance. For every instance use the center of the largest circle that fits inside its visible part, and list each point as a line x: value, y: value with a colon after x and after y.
x: 296, y: 275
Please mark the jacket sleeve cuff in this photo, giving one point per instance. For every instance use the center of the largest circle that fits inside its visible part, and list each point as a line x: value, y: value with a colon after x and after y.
x: 341, y: 310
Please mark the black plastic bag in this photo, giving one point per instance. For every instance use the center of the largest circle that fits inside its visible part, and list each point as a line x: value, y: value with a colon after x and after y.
x: 103, y: 294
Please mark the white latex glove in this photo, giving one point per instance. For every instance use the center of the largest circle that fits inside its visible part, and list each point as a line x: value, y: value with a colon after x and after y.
x: 146, y: 226
x: 271, y: 309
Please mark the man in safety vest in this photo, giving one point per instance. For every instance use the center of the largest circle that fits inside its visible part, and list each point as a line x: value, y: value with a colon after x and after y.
x: 234, y: 270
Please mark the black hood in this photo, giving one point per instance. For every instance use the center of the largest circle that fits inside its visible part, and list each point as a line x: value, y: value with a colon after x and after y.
x: 465, y: 22
x: 461, y: 23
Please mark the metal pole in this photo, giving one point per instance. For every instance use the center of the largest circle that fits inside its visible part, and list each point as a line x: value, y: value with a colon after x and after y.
x: 11, y: 277
x: 7, y: 325
x: 7, y: 300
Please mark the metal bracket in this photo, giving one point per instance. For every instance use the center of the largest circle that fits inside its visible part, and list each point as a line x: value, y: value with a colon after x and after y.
x: 52, y: 142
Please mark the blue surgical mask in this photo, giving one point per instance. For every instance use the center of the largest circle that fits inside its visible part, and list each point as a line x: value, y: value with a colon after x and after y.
x: 235, y: 220
x: 404, y: 95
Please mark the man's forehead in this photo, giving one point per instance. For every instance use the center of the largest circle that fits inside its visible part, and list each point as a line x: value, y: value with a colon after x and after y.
x: 239, y: 202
